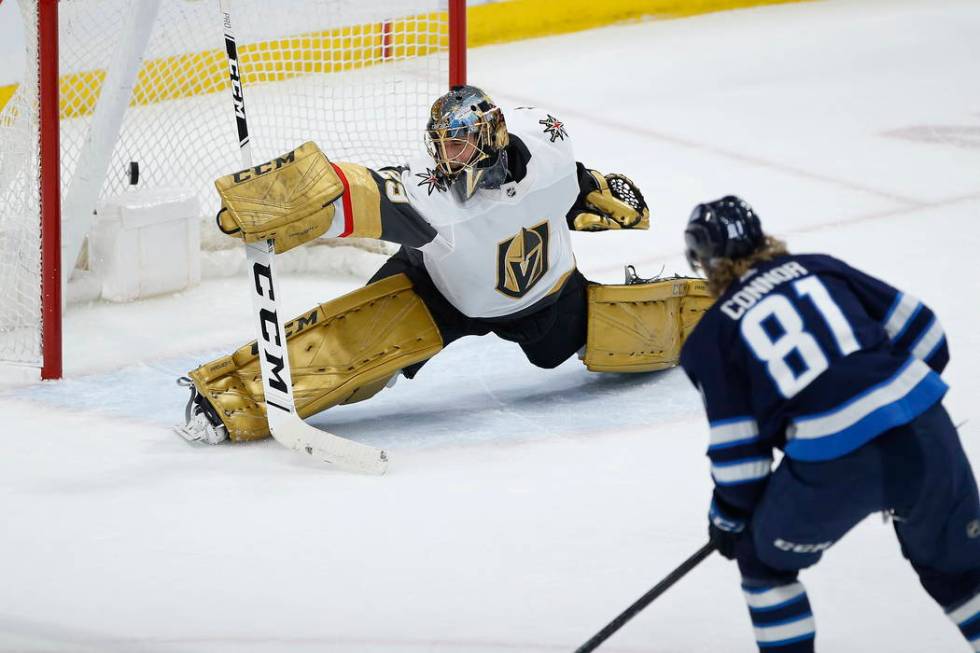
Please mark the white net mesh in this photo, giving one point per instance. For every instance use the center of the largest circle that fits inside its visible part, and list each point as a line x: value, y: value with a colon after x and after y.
x: 20, y: 221
x: 357, y: 77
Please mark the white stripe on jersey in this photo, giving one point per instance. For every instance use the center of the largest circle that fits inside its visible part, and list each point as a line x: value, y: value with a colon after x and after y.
x: 741, y: 472
x: 781, y: 632
x: 928, y: 341
x: 774, y: 596
x: 966, y: 611
x: 810, y: 428
x: 900, y: 316
x: 733, y: 430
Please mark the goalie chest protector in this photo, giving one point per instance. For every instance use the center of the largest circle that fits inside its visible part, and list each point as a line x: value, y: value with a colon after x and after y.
x: 505, y: 249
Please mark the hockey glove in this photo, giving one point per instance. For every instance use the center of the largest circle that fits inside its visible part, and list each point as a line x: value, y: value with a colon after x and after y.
x: 289, y: 199
x: 613, y: 203
x: 724, y: 530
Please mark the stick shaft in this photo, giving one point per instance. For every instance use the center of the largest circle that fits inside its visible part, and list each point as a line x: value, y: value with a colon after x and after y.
x: 285, y: 424
x: 237, y: 87
x: 647, y: 598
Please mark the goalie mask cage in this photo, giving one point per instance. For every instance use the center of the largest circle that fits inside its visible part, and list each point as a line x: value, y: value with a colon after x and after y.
x: 110, y: 82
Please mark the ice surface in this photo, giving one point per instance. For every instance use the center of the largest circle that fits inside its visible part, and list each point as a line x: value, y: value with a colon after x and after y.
x: 524, y: 508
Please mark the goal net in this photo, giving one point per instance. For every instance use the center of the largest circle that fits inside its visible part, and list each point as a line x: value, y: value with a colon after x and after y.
x: 146, y: 82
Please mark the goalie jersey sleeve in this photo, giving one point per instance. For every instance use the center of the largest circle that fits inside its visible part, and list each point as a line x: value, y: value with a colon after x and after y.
x: 375, y: 205
x: 809, y: 355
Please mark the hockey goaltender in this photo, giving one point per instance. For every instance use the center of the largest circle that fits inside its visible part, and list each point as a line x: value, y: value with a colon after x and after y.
x: 484, y: 228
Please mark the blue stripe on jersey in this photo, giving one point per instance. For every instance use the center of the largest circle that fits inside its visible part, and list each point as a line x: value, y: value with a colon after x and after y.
x: 965, y: 612
x: 893, y: 402
x: 916, y: 327
x: 971, y: 630
x: 805, y: 614
x: 739, y: 452
x: 975, y: 643
x: 781, y: 617
x: 967, y: 619
x: 779, y: 606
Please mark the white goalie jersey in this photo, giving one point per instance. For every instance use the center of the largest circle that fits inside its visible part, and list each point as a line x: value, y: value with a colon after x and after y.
x: 496, y: 254
x: 504, y: 249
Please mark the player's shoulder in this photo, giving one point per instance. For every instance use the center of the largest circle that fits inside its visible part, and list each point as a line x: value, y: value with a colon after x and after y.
x: 423, y: 183
x: 545, y: 139
x: 828, y: 268
x: 536, y: 125
x: 819, y: 262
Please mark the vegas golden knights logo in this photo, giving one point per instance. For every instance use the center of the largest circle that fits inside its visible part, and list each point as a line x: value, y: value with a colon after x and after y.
x: 522, y: 261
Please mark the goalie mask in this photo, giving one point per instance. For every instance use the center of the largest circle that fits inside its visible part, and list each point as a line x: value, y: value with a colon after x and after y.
x: 466, y: 136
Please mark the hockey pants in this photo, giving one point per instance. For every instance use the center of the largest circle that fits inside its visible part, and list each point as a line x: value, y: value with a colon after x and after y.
x: 920, y: 473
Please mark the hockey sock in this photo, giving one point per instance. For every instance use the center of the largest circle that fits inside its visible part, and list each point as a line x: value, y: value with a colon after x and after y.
x: 966, y: 616
x: 781, y: 617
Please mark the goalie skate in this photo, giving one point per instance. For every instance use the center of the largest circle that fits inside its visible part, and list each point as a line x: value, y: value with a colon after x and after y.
x: 199, y: 425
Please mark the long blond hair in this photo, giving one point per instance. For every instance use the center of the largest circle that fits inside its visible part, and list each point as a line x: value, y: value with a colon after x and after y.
x: 721, y: 272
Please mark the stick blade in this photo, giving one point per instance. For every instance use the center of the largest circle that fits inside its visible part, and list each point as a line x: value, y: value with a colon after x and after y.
x: 293, y: 433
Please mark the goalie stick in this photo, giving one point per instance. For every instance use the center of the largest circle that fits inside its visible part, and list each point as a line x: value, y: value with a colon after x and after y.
x: 284, y: 423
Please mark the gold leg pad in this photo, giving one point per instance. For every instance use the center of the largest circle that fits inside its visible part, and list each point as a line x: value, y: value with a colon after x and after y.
x: 641, y: 327
x: 340, y: 352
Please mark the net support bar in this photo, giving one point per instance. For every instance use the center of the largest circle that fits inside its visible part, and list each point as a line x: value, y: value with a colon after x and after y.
x: 50, y: 190
x: 82, y: 195
x: 457, y: 42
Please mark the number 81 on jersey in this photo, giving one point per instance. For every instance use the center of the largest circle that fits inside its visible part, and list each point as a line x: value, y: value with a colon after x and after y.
x: 776, y: 333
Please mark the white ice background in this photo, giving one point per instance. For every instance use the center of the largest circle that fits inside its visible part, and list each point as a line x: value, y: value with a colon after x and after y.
x: 524, y: 507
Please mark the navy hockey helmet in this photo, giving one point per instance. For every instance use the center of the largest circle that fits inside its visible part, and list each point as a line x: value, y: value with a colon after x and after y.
x: 725, y: 228
x: 466, y: 136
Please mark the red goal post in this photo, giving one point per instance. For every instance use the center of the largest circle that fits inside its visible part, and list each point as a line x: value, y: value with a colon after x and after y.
x: 355, y: 76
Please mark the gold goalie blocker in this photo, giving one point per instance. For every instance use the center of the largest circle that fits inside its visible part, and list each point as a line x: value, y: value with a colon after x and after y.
x: 289, y: 199
x: 349, y: 349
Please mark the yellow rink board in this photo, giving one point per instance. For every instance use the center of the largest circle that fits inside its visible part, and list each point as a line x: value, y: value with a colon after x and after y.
x: 522, y: 19
x: 360, y: 46
x: 200, y: 73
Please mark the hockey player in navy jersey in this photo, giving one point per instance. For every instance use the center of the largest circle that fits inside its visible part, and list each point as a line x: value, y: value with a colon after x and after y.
x: 484, y: 223
x: 842, y: 373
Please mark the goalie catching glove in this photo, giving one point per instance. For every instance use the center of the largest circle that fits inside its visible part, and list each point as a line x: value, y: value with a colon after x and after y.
x: 288, y: 199
x: 608, y: 202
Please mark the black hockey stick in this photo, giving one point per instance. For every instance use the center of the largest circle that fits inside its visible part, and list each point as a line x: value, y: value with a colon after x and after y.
x: 647, y: 599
